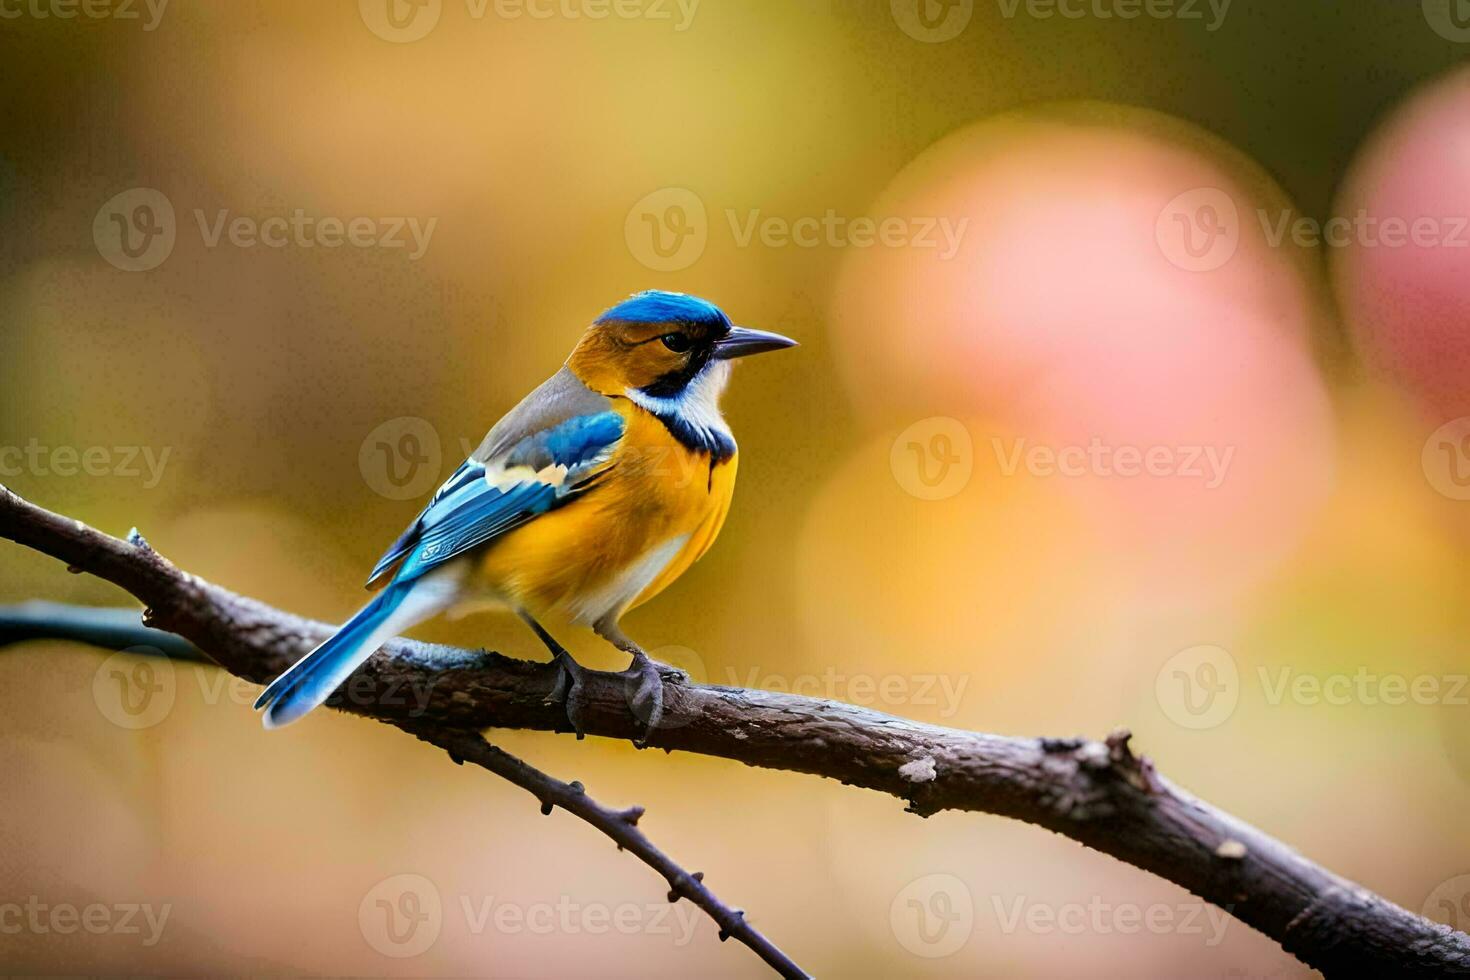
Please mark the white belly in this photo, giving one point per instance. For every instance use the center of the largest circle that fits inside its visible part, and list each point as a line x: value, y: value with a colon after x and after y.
x: 618, y: 594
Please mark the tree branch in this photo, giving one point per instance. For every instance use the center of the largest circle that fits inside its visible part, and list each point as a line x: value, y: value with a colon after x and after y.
x: 119, y: 629
x: 1098, y: 793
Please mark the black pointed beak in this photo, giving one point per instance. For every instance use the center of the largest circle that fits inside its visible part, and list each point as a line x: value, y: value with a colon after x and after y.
x: 741, y: 341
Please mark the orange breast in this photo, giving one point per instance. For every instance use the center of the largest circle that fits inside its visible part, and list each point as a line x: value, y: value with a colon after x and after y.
x: 650, y: 517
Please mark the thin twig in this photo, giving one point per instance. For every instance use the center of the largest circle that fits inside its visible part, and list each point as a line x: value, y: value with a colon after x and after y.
x: 1099, y: 793
x: 620, y: 825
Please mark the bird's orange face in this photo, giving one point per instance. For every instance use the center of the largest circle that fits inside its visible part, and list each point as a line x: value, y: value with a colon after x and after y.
x: 658, y: 358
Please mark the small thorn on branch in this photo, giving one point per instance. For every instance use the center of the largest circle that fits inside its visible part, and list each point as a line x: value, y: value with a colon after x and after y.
x: 1117, y: 742
x: 739, y: 914
x: 632, y: 815
x: 1137, y: 769
x: 675, y: 894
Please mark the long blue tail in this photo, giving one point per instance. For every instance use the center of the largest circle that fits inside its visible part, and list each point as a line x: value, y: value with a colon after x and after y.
x: 313, y: 678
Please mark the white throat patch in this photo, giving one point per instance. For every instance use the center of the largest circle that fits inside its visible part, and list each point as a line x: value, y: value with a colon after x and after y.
x: 698, y: 405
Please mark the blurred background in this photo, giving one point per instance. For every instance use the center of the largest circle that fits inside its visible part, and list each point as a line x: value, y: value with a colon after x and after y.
x: 1134, y: 389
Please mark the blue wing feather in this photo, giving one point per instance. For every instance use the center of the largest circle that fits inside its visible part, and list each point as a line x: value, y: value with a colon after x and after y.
x: 468, y: 510
x: 468, y: 471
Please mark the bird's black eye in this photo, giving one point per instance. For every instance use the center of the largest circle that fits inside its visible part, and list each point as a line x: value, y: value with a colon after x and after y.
x: 677, y: 342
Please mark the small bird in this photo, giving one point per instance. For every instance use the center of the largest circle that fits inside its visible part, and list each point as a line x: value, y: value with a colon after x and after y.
x: 588, y: 499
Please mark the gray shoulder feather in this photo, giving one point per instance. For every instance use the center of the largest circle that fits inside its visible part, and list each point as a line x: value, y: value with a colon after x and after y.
x: 560, y: 397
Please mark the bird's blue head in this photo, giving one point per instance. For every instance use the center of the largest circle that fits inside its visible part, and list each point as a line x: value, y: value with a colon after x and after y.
x: 659, y: 344
x: 655, y: 306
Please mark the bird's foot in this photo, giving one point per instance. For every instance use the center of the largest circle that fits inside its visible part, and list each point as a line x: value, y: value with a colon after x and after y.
x: 568, y: 691
x: 644, y: 680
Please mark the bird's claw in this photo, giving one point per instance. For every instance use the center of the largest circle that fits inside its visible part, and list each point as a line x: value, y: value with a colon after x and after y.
x: 567, y: 691
x: 645, y: 683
